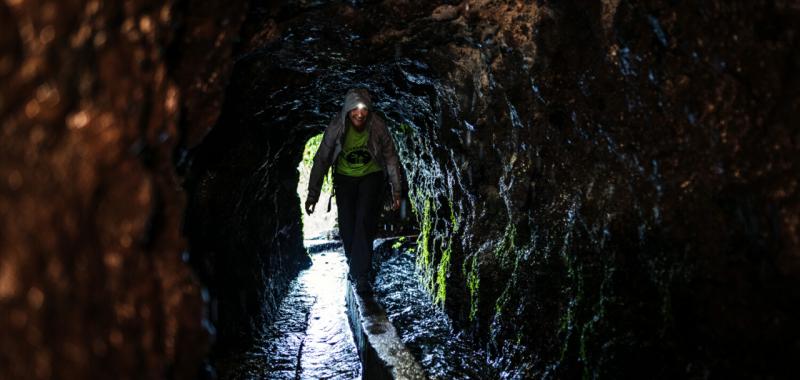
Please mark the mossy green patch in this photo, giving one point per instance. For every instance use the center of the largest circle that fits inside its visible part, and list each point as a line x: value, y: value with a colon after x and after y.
x: 507, y: 245
x: 453, y: 218
x: 424, y: 244
x: 501, y: 301
x: 441, y: 276
x: 434, y: 250
x: 504, y: 251
x: 399, y: 243
x: 405, y: 129
x: 473, y: 283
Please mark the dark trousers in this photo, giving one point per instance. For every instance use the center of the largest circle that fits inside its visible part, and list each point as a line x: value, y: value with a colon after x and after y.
x: 359, y: 202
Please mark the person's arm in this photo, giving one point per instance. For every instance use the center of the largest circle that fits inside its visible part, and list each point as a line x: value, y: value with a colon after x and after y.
x: 321, y: 165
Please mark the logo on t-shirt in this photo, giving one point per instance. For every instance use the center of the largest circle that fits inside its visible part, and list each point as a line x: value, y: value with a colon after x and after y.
x: 359, y: 156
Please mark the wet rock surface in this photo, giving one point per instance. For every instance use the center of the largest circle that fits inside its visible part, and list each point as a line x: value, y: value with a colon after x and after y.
x: 442, y: 351
x: 602, y: 190
x: 611, y: 208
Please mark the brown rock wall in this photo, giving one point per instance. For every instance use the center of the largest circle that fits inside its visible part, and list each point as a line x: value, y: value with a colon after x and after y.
x: 92, y: 282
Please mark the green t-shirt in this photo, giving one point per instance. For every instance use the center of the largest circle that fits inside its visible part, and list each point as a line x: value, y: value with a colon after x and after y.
x: 355, y: 160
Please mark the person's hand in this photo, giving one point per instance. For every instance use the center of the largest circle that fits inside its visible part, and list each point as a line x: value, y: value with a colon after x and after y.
x: 396, y: 202
x: 310, y: 207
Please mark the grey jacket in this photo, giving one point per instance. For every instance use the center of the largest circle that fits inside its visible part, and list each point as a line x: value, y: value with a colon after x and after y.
x: 380, y: 145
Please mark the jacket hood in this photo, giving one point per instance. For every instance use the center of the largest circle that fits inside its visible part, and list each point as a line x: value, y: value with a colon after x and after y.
x: 355, y: 96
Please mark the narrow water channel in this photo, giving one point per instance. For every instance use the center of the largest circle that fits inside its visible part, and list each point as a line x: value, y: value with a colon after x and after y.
x: 311, y: 337
x: 425, y: 328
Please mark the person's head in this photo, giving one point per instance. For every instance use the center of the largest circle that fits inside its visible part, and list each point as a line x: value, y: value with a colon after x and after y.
x: 358, y: 115
x: 357, y: 104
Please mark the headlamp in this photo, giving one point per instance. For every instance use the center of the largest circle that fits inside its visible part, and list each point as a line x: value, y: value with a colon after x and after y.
x: 361, y: 106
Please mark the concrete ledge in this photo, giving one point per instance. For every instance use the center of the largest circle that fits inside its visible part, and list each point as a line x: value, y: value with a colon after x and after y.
x: 319, y: 245
x: 383, y: 354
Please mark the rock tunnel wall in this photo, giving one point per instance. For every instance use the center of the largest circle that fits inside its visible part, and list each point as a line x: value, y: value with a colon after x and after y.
x: 602, y: 190
x: 98, y: 102
x: 243, y: 217
x: 611, y: 189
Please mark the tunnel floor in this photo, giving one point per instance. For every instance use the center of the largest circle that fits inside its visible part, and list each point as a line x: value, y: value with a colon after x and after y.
x: 310, y: 337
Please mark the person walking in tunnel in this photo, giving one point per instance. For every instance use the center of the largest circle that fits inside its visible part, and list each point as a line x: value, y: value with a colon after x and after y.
x: 358, y: 146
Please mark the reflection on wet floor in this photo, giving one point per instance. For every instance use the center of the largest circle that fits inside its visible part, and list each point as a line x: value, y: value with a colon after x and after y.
x: 310, y: 337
